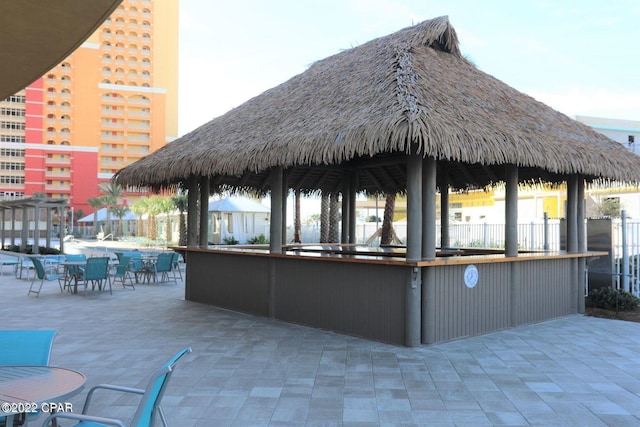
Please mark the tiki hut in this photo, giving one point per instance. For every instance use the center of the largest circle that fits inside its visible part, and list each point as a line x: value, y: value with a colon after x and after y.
x: 406, y: 112
x: 370, y: 105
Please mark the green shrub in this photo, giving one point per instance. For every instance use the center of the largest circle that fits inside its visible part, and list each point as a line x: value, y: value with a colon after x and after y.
x: 613, y: 299
x: 258, y: 240
x: 43, y: 250
x: 230, y: 241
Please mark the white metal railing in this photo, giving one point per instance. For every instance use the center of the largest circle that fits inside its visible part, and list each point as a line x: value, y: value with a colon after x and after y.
x: 531, y: 236
x: 626, y: 254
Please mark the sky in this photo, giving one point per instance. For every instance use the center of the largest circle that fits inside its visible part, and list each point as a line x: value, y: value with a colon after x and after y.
x: 581, y: 57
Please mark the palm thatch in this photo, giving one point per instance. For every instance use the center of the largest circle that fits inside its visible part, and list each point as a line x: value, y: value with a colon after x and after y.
x: 367, y: 107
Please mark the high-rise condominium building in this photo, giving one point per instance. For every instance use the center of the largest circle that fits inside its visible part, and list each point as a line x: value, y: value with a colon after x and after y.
x: 111, y: 102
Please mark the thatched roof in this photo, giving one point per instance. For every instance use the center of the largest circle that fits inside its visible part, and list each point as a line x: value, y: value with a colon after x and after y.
x: 366, y: 107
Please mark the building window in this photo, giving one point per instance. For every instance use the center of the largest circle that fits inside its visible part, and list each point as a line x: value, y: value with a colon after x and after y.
x: 12, y: 125
x: 11, y: 152
x: 12, y: 138
x: 12, y: 112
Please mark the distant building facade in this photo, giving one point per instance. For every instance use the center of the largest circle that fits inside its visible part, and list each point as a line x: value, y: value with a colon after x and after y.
x: 111, y: 102
x: 626, y: 132
x: 533, y: 202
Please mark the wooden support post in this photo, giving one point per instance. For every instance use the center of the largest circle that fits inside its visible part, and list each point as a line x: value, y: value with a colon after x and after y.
x: 352, y: 206
x: 429, y: 177
x: 572, y: 214
x: 192, y: 211
x: 582, y: 244
x: 414, y: 207
x: 275, y: 226
x: 511, y: 212
x: 444, y: 205
x: 285, y: 197
x: 346, y: 214
x: 204, y: 212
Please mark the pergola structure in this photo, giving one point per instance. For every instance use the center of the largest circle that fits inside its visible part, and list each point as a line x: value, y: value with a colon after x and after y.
x: 402, y: 113
x: 33, y: 205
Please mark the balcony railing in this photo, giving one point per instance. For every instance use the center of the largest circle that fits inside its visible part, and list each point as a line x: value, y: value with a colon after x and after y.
x: 57, y: 175
x: 57, y: 187
x: 110, y: 112
x: 112, y: 137
x: 111, y: 150
x: 139, y: 101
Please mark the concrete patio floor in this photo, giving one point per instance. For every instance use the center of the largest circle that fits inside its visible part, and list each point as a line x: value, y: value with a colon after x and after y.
x: 251, y: 371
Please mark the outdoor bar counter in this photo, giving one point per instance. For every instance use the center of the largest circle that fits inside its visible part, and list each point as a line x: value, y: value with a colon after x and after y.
x: 374, y: 295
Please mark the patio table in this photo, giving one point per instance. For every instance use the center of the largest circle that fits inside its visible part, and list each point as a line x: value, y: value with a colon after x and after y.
x: 68, y: 276
x: 10, y: 261
x: 27, y: 389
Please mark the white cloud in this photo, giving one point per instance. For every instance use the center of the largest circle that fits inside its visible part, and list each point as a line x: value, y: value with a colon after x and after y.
x: 599, y: 103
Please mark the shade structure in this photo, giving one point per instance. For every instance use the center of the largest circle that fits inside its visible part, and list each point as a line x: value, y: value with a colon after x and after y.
x: 35, y: 36
x: 102, y: 216
x: 237, y: 204
x: 366, y: 108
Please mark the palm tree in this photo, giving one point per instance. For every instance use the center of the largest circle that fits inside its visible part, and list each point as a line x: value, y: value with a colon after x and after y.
x: 297, y: 224
x: 112, y: 192
x: 386, y: 235
x: 334, y: 218
x: 154, y: 208
x: 96, y: 203
x: 166, y: 206
x: 120, y: 212
x: 140, y: 207
x: 180, y: 201
x: 324, y: 217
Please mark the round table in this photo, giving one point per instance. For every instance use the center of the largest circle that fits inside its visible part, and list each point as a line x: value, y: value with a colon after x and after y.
x: 33, y: 385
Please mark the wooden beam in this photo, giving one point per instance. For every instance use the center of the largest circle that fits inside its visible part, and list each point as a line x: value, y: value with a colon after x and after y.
x: 265, y: 182
x: 304, y: 177
x: 373, y: 178
x: 244, y: 179
x: 492, y: 176
x: 388, y: 178
x: 467, y: 175
x: 322, y: 179
x: 369, y: 163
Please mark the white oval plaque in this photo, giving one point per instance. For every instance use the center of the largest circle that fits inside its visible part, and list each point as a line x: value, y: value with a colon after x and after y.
x: 471, y: 276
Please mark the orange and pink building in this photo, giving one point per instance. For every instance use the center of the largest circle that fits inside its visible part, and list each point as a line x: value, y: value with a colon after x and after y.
x: 111, y: 102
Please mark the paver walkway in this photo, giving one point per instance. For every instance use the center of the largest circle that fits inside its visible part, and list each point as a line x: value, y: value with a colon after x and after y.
x: 251, y: 371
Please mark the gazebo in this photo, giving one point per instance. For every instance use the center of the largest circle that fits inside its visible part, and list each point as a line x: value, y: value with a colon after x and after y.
x: 401, y: 113
x: 35, y: 205
x: 238, y: 218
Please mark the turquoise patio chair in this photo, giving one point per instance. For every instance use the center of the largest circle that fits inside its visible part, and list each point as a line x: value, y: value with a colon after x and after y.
x: 95, y: 272
x: 72, y: 271
x: 42, y: 275
x: 136, y: 264
x: 26, y: 347
x: 164, y: 267
x: 148, y: 409
x: 176, y: 264
x: 123, y: 271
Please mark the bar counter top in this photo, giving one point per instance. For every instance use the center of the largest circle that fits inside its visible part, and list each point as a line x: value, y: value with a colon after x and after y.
x: 386, y: 255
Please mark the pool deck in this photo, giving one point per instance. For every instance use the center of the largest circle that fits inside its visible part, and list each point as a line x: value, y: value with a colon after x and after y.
x: 252, y: 371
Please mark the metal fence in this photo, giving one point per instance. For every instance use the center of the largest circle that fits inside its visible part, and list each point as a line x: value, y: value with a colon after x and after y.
x: 531, y: 236
x: 535, y: 236
x: 626, y: 251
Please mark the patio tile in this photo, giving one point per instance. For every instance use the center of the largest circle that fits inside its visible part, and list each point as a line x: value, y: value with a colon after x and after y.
x: 251, y: 371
